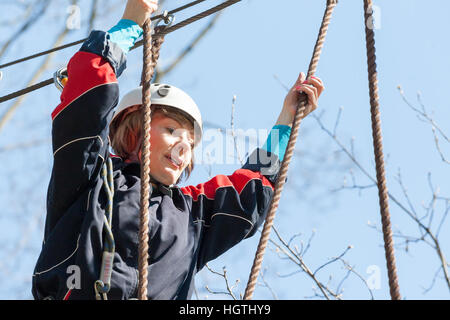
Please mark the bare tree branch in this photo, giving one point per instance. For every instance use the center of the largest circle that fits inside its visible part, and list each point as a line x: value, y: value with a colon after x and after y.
x: 423, y: 115
x: 92, y: 16
x: 17, y: 103
x: 33, y: 13
x: 229, y: 288
x: 424, y: 229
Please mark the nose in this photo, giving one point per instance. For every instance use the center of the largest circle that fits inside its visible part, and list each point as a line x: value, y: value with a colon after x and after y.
x: 182, y: 145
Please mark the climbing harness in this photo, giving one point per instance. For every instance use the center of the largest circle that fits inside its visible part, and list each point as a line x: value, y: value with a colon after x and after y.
x: 103, y: 284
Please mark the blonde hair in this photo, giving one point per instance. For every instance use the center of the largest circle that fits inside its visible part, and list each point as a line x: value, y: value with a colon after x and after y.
x: 125, y: 132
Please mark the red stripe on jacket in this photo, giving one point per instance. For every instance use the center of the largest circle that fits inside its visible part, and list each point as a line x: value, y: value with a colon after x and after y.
x: 238, y: 180
x: 67, y: 296
x: 86, y: 71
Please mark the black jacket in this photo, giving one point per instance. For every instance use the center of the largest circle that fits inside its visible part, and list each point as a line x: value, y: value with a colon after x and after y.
x: 188, y: 226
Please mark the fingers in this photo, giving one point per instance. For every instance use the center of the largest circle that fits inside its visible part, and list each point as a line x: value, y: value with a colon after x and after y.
x: 152, y: 5
x: 317, y: 83
x: 314, y: 83
x: 312, y: 94
x: 313, y: 88
x: 140, y: 10
x: 301, y: 78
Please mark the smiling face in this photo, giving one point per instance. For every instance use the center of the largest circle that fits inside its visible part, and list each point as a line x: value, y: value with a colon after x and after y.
x: 171, y: 139
x: 171, y: 148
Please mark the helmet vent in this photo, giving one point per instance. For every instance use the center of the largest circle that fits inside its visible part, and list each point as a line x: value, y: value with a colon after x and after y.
x: 163, y: 91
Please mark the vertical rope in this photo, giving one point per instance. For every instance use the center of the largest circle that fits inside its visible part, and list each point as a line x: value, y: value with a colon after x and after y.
x: 378, y: 151
x: 331, y: 4
x: 156, y: 46
x: 150, y: 59
x: 147, y: 72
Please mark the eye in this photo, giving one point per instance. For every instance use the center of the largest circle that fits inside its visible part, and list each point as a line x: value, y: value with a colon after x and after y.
x: 170, y: 130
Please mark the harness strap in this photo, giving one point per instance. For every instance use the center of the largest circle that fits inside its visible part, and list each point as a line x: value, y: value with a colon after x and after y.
x: 103, y: 285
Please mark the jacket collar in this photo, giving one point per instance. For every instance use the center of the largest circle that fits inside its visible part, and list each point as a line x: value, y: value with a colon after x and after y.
x: 134, y: 168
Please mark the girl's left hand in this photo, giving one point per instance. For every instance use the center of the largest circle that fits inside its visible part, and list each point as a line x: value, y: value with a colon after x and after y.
x: 140, y: 10
x: 312, y: 87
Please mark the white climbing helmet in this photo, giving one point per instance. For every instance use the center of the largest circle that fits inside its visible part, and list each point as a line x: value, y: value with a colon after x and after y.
x: 166, y: 95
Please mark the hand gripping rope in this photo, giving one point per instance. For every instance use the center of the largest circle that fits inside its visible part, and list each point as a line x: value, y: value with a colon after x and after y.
x: 331, y: 4
x: 378, y: 150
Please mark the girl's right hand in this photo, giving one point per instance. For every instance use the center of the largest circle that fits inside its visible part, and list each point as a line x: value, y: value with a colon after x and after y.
x: 140, y: 10
x: 312, y: 87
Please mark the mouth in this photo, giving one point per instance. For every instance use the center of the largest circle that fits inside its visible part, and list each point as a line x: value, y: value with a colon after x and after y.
x: 176, y: 163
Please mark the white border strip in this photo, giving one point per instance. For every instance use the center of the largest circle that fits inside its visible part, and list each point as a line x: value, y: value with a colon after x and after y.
x: 41, y: 272
x: 85, y: 138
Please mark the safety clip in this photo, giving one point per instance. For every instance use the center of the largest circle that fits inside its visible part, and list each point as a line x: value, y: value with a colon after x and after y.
x: 167, y: 18
x: 60, y: 78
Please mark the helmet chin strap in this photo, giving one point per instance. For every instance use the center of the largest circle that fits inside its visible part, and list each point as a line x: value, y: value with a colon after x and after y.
x: 164, y: 189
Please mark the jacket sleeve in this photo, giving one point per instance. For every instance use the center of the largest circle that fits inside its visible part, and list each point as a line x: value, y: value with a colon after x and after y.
x: 80, y: 122
x: 231, y: 208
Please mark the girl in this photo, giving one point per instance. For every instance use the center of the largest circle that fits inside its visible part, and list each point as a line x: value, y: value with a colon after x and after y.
x: 188, y: 226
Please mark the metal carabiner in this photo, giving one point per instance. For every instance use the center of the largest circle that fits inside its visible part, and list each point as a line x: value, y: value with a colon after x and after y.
x: 167, y: 18
x: 60, y: 78
x: 101, y: 290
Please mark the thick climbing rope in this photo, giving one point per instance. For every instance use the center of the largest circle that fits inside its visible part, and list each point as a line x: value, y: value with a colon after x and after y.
x: 378, y: 151
x: 331, y: 4
x: 152, y: 48
x: 147, y: 75
x: 166, y: 31
x: 150, y: 58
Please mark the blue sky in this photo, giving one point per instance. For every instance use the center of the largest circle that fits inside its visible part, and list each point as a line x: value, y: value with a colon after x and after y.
x: 252, y: 43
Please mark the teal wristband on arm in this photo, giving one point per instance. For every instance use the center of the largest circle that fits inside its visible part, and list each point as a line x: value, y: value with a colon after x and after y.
x: 125, y: 33
x: 277, y: 140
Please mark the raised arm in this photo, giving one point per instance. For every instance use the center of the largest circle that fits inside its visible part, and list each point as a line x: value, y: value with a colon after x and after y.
x: 231, y: 208
x: 81, y: 121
